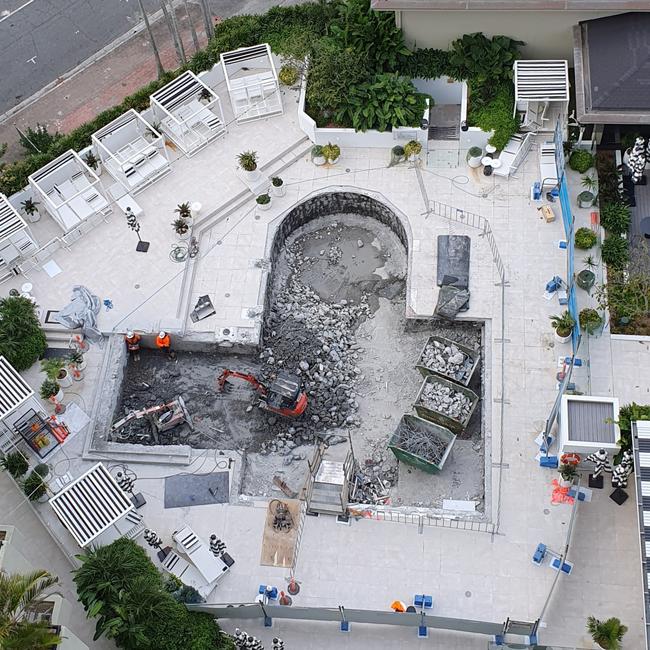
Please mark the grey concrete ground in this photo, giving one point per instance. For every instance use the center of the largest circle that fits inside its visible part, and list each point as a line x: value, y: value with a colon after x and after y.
x: 42, y: 40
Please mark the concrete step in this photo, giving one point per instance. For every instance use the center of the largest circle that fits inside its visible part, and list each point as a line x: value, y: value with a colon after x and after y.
x: 131, y: 453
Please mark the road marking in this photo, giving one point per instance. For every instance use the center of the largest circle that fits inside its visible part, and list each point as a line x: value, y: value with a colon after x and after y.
x: 15, y: 11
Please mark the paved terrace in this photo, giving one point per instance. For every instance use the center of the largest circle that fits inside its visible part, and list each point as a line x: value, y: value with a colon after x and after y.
x: 367, y: 565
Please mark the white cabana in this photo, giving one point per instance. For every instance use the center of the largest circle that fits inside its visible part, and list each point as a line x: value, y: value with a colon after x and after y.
x: 189, y: 112
x: 70, y: 191
x: 16, y: 242
x: 252, y: 82
x: 95, y: 510
x: 541, y: 88
x: 132, y: 151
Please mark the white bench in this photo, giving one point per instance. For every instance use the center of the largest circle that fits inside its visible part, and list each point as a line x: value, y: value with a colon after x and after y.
x: 547, y: 168
x: 514, y: 153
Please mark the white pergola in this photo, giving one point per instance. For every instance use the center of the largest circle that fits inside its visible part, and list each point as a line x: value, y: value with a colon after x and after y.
x: 70, y: 191
x: 15, y: 239
x: 95, y: 510
x: 252, y: 82
x: 189, y: 112
x: 132, y: 151
x: 538, y: 83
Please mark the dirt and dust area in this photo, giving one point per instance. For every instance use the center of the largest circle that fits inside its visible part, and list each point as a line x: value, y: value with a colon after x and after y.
x: 337, y: 321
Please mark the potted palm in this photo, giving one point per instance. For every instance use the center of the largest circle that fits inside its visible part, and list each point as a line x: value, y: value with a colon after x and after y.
x: 35, y: 486
x: 76, y: 360
x: 332, y: 153
x: 181, y: 228
x: 55, y: 369
x: 474, y: 157
x: 277, y: 186
x: 563, y: 326
x: 317, y: 156
x: 248, y: 162
x: 396, y: 155
x: 590, y: 320
x: 607, y: 634
x: 51, y: 391
x: 263, y: 201
x: 92, y: 161
x: 586, y: 199
x: 205, y: 96
x: 567, y: 474
x: 15, y: 463
x: 412, y: 150
x: 184, y: 211
x: 30, y: 208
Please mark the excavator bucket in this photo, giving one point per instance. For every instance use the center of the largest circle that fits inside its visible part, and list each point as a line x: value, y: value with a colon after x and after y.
x: 225, y: 386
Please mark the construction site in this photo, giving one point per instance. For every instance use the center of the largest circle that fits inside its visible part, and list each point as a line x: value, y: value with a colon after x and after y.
x: 341, y: 374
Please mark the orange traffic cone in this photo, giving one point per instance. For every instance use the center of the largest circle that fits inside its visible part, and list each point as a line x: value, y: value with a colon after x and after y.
x: 293, y: 588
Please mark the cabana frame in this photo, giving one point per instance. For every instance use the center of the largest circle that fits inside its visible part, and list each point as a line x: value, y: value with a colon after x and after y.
x: 132, y: 151
x: 189, y: 112
x: 95, y: 510
x: 70, y: 191
x: 539, y: 83
x: 252, y: 83
x: 16, y: 242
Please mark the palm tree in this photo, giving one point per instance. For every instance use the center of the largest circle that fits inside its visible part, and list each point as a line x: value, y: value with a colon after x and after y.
x: 19, y: 593
x: 159, y: 65
x: 607, y: 634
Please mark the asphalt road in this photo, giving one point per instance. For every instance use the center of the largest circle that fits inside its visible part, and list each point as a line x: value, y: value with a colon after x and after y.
x: 40, y: 40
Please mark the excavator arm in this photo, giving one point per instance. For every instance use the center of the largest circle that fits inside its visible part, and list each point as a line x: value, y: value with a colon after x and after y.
x: 222, y: 381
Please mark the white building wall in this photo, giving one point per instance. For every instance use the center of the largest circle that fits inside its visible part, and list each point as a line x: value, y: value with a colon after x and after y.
x: 547, y: 34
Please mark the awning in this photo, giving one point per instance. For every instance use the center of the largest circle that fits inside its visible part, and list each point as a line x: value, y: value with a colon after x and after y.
x: 542, y: 81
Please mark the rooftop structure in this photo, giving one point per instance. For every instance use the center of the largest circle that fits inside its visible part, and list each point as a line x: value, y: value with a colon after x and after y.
x: 94, y: 508
x: 252, y: 82
x: 189, y: 112
x: 71, y: 192
x: 133, y: 152
x: 588, y: 424
x: 612, y: 69
x: 15, y: 239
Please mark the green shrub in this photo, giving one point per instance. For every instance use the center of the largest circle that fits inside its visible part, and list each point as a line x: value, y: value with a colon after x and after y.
x: 427, y: 63
x: 590, y: 320
x: 34, y: 486
x: 484, y: 60
x: 119, y: 585
x: 495, y: 115
x: 581, y: 160
x: 38, y: 140
x: 626, y: 415
x: 614, y: 251
x: 386, y: 102
x: 615, y: 217
x: 15, y: 463
x: 22, y: 340
x: 585, y: 238
x: 288, y: 75
x: 371, y: 35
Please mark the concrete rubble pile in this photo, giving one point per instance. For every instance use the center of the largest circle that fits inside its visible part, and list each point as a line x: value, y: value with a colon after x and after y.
x: 314, y: 339
x: 445, y: 400
x: 447, y: 360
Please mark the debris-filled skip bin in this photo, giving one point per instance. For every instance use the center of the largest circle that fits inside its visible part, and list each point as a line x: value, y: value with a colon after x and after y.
x: 421, y: 443
x: 445, y: 403
x: 448, y: 359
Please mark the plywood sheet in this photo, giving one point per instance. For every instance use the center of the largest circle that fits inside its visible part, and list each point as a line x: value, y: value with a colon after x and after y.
x: 278, y: 547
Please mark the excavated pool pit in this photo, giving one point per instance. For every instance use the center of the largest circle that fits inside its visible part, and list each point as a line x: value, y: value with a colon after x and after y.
x: 335, y: 303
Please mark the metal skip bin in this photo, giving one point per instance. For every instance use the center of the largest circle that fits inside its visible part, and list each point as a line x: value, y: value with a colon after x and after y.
x: 465, y: 370
x: 455, y: 424
x: 439, y: 450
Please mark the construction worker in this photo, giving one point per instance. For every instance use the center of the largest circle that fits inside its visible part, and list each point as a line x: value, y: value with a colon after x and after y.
x: 398, y: 606
x: 164, y: 343
x: 132, y: 341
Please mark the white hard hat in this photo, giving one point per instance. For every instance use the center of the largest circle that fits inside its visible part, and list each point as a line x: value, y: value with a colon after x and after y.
x: 161, y: 334
x: 130, y: 334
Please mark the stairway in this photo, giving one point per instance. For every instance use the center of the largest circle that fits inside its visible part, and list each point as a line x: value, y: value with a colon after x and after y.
x: 444, y: 132
x: 327, y: 498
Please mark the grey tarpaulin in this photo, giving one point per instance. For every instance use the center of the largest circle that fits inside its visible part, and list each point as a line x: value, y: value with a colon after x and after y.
x: 451, y: 300
x: 82, y: 312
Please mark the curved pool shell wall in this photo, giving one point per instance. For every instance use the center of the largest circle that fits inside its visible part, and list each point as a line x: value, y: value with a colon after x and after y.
x: 327, y: 204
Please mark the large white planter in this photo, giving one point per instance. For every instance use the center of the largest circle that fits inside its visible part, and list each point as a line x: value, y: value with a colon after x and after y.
x: 65, y: 381
x: 264, y: 206
x: 561, y: 339
x: 319, y: 160
x: 251, y: 177
x: 59, y: 396
x: 185, y: 236
x: 335, y: 161
x: 196, y: 208
x: 33, y: 218
x: 278, y: 191
x: 474, y: 161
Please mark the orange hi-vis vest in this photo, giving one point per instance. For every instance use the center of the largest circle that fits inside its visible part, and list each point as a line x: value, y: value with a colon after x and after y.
x: 164, y: 342
x: 133, y: 343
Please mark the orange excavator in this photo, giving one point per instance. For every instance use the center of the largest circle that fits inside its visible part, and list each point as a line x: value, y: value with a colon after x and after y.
x: 284, y: 396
